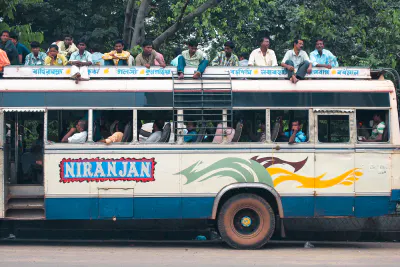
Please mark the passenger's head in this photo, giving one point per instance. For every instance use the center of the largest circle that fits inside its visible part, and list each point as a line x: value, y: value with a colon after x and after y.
x: 81, y: 126
x: 119, y: 46
x: 378, y: 117
x: 191, y: 126
x: 68, y: 39
x: 53, y: 50
x: 243, y: 56
x: 264, y: 42
x: 35, y: 48
x: 14, y: 37
x: 296, y: 125
x: 177, y: 51
x: 120, y: 126
x: 5, y: 36
x: 298, y: 44
x: 81, y: 45
x: 192, y: 46
x: 147, y: 47
x: 319, y: 44
x: 228, y: 48
x: 158, y: 125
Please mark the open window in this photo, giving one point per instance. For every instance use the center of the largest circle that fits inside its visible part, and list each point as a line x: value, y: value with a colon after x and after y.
x: 112, y: 126
x: 285, y: 123
x: 67, y: 126
x: 333, y: 128
x: 372, y: 125
x: 250, y: 125
x: 155, y: 126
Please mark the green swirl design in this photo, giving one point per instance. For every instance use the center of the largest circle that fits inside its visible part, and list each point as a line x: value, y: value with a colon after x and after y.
x: 242, y: 171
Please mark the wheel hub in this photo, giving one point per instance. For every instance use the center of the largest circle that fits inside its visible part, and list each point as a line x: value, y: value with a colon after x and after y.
x: 246, y: 221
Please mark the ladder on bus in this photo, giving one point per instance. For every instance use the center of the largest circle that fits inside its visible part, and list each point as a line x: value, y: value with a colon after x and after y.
x: 202, y: 101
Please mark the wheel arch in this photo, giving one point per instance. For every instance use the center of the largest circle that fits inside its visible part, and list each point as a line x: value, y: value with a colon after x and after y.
x: 237, y: 188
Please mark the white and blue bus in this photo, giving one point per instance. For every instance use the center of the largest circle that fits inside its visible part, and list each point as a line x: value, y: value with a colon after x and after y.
x: 222, y: 151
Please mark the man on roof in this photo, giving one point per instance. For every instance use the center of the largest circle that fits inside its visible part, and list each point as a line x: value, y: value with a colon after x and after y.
x: 226, y: 58
x: 192, y: 58
x: 7, y: 45
x: 149, y: 56
x: 117, y: 57
x: 22, y: 50
x: 321, y: 57
x: 297, y: 62
x: 80, y: 60
x: 35, y: 58
x: 263, y: 56
x: 67, y: 47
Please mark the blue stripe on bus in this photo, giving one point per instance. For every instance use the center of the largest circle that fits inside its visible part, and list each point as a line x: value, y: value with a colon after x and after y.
x: 395, y: 196
x: 201, y: 207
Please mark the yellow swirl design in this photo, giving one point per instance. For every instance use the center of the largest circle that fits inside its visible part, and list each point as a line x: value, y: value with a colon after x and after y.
x: 281, y: 175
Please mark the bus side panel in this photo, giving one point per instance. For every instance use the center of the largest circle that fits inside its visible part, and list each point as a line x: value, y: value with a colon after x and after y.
x: 2, y: 183
x: 395, y: 167
x: 123, y: 198
x: 373, y: 187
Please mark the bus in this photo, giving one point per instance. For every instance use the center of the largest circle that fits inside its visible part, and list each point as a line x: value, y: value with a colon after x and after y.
x: 224, y: 148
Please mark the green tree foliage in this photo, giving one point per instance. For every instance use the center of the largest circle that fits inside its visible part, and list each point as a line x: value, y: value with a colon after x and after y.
x: 8, y: 9
x: 359, y: 32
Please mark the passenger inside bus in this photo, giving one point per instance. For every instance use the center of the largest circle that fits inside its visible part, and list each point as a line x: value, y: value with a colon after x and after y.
x: 289, y: 126
x: 117, y: 129
x: 191, y: 134
x: 77, y: 134
x: 295, y: 134
x: 221, y: 132
x: 157, y: 132
x: 377, y: 126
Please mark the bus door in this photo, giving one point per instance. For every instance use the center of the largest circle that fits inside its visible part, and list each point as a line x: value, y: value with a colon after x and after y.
x: 23, y: 146
x: 335, y: 172
x: 3, y: 184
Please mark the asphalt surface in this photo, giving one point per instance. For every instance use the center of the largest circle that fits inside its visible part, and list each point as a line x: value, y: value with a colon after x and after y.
x: 193, y: 254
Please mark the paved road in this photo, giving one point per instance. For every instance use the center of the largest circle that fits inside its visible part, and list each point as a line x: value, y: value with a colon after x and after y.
x: 195, y: 254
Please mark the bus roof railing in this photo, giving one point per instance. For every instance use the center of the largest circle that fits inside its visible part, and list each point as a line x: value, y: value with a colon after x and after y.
x: 126, y: 72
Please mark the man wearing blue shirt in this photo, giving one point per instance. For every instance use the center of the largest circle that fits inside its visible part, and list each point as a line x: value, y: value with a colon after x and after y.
x: 22, y: 50
x: 296, y: 135
x: 321, y: 57
x: 80, y: 60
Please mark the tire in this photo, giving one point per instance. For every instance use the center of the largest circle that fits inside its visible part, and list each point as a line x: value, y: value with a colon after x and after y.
x: 246, y: 221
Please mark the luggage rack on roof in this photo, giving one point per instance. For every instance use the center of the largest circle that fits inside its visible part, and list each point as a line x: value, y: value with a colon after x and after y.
x: 204, y: 102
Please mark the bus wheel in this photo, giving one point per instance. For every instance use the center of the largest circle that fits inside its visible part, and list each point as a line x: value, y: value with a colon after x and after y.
x: 246, y: 221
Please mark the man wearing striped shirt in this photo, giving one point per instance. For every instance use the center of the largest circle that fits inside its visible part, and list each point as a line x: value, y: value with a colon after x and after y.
x: 226, y: 58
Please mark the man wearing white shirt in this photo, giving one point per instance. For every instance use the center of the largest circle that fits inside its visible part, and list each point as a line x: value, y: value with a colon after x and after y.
x: 76, y: 135
x: 263, y: 56
x: 157, y: 132
x: 297, y: 62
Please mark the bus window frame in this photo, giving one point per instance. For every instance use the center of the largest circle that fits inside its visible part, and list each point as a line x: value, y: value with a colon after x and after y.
x: 310, y: 118
x: 45, y: 124
x: 267, y: 124
x: 389, y: 114
x: 336, y: 112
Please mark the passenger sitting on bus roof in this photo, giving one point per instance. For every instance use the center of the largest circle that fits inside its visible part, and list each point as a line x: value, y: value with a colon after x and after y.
x: 160, y: 56
x: 321, y: 57
x: 296, y: 135
x: 7, y: 45
x: 3, y: 60
x: 191, y: 135
x: 243, y: 60
x: 226, y: 58
x: 22, y: 50
x: 297, y: 62
x: 36, y: 57
x: 158, y: 125
x: 80, y: 60
x: 117, y: 57
x: 54, y: 58
x: 192, y: 58
x: 263, y: 56
x: 78, y: 134
x: 148, y: 56
x: 117, y: 135
x: 378, y: 127
x: 67, y: 47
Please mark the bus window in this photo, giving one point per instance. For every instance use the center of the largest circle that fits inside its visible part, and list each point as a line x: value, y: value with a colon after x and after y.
x: 249, y: 125
x: 112, y: 126
x: 372, y: 125
x: 67, y: 126
x: 288, y: 123
x: 207, y: 126
x: 155, y: 126
x: 333, y: 128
